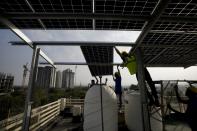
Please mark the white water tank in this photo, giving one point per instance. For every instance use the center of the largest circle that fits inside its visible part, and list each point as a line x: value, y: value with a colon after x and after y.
x: 133, y: 114
x: 76, y: 110
x: 92, y: 109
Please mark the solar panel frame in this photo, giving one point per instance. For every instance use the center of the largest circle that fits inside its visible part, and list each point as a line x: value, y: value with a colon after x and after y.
x: 99, y: 54
x: 176, y: 33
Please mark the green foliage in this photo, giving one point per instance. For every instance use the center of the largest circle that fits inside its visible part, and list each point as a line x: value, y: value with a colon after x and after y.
x: 40, y: 97
x: 76, y: 92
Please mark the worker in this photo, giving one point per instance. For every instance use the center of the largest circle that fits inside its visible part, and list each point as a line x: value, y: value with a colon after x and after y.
x: 118, y: 86
x: 129, y: 61
x: 191, y: 112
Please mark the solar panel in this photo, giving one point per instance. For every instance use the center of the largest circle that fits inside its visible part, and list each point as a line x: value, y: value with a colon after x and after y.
x: 68, y: 23
x: 26, y: 23
x: 160, y: 38
x: 14, y: 6
x: 169, y: 56
x: 68, y: 6
x: 181, y: 32
x: 99, y: 54
x: 181, y: 8
x: 174, y: 26
x: 137, y: 7
x: 119, y: 24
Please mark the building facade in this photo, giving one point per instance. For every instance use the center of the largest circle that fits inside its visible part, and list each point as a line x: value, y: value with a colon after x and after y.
x: 46, y: 77
x: 58, y: 83
x: 68, y: 78
x: 6, y: 81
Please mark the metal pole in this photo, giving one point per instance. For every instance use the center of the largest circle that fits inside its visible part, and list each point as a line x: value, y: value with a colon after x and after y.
x: 101, y: 94
x: 162, y: 105
x: 142, y: 86
x: 32, y: 77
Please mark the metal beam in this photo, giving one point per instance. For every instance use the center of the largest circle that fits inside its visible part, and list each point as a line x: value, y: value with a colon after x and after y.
x: 32, y: 9
x: 23, y: 37
x: 46, y: 15
x: 160, y: 7
x: 143, y: 92
x: 82, y: 63
x: 75, y: 43
x: 56, y: 15
x: 173, y: 32
x: 89, y: 43
x: 31, y: 84
x: 109, y: 64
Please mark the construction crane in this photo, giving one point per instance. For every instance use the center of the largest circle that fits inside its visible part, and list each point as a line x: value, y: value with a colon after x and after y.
x: 24, y: 74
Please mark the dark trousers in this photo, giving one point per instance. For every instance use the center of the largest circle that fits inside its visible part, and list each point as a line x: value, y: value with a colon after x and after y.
x: 120, y: 99
x: 151, y: 85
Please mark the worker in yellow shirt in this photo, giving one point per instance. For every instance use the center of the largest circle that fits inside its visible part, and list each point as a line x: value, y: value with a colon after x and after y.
x: 129, y: 61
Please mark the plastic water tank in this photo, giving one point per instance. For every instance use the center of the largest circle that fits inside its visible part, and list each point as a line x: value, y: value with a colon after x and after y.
x: 92, y: 109
x: 133, y: 114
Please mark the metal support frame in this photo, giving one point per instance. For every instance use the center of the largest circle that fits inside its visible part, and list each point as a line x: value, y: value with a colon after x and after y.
x: 108, y: 64
x: 93, y: 43
x: 23, y: 37
x: 82, y: 63
x: 31, y: 85
x: 101, y: 95
x: 32, y: 9
x: 75, y: 43
x: 160, y: 7
x: 162, y: 104
x: 56, y: 15
x: 142, y: 86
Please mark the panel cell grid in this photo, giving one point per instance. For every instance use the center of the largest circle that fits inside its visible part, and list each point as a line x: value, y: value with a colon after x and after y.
x: 99, y: 54
x: 174, y: 26
x: 26, y: 23
x: 14, y: 6
x: 68, y: 6
x: 137, y: 7
x: 181, y: 8
x: 187, y: 39
x: 160, y: 38
x: 119, y: 24
x: 68, y: 23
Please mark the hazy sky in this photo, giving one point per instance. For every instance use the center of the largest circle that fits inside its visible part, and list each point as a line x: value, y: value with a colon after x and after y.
x: 12, y: 58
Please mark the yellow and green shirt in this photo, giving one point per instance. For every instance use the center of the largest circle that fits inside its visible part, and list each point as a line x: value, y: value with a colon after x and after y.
x: 130, y: 63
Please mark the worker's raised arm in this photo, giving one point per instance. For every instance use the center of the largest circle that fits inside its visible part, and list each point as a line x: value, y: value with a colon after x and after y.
x: 118, y: 52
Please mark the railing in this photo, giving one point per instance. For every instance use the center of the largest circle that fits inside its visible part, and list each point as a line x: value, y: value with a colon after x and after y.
x: 40, y: 116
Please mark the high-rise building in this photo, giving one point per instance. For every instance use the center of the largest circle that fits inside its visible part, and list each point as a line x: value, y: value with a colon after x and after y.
x: 58, y: 83
x: 6, y: 81
x: 46, y: 77
x: 68, y: 79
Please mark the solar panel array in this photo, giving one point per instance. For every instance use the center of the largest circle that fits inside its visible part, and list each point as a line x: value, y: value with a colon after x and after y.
x: 99, y: 54
x: 177, y: 35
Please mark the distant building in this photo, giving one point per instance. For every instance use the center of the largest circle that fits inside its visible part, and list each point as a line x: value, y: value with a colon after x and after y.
x: 68, y: 78
x: 6, y: 81
x: 58, y: 83
x: 46, y: 77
